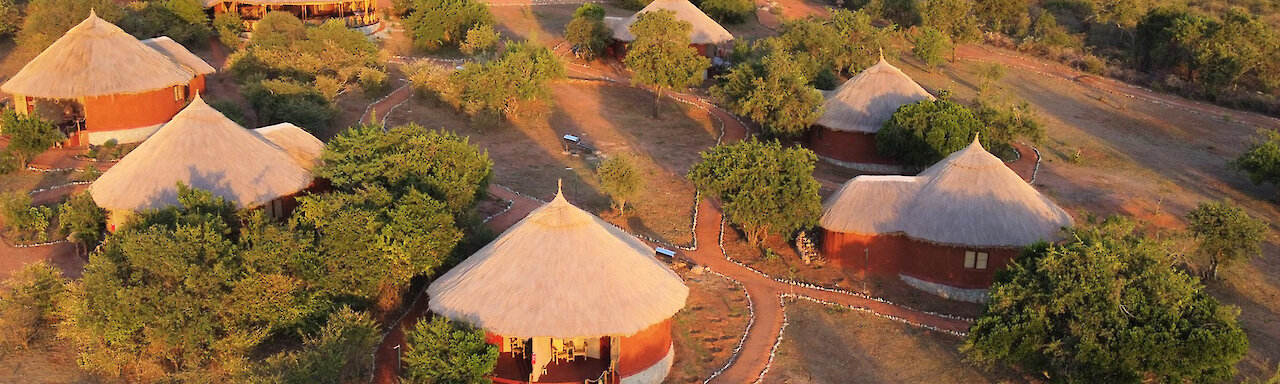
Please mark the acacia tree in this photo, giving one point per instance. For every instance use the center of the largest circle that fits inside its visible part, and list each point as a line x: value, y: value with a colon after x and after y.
x: 1106, y: 307
x: 774, y: 92
x: 524, y: 69
x: 443, y: 351
x: 1225, y: 233
x: 1262, y: 160
x: 765, y: 188
x: 930, y: 44
x: 621, y: 180
x: 661, y: 56
x: 82, y: 220
x: 586, y: 32
x: 922, y: 133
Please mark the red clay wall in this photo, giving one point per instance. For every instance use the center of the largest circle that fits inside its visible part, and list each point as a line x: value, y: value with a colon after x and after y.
x: 890, y: 255
x: 114, y: 112
x: 851, y: 147
x: 642, y: 350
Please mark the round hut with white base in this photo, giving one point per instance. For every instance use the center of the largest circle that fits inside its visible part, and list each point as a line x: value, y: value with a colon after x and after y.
x: 845, y: 134
x: 706, y: 36
x: 567, y: 297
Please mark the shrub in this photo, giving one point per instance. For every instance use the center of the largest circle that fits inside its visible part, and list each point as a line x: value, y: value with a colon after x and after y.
x: 1003, y: 125
x: 47, y: 20
x: 524, y: 69
x: 635, y: 5
x: 231, y: 110
x: 27, y: 303
x: 481, y: 40
x: 774, y: 92
x: 925, y: 132
x: 23, y: 222
x: 372, y: 80
x: 441, y: 350
x: 1262, y: 160
x: 430, y: 79
x: 765, y: 188
x: 10, y: 18
x: 438, y: 23
x: 183, y: 21
x: 930, y: 46
x: 728, y: 11
x: 229, y: 26
x: 621, y: 179
x: 587, y: 33
x: 1225, y: 234
x: 341, y: 352
x: 82, y: 220
x: 29, y: 135
x: 280, y: 101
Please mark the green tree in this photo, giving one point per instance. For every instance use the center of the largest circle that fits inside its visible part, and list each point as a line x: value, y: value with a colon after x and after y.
x: 765, y: 188
x: 905, y: 13
x: 930, y: 44
x: 1105, y: 306
x: 228, y: 26
x: 925, y: 132
x: 82, y: 220
x: 442, y: 351
x: 10, y: 18
x: 1166, y: 39
x: 27, y: 303
x: 438, y: 23
x: 773, y: 92
x: 1011, y: 17
x: 29, y: 135
x: 661, y: 56
x: 1262, y: 160
x: 621, y: 179
x: 954, y: 18
x: 1225, y: 234
x: 47, y: 20
x: 341, y: 352
x: 22, y: 221
x: 183, y: 21
x: 481, y: 40
x: 587, y: 33
x: 728, y: 11
x: 409, y: 157
x: 1004, y: 124
x: 284, y: 101
x: 525, y: 69
x: 1241, y: 45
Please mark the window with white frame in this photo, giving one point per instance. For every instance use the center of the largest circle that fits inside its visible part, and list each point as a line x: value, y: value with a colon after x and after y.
x: 975, y: 260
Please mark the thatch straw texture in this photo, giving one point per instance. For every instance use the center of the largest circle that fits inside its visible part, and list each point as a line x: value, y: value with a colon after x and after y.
x: 705, y: 30
x: 96, y: 58
x: 561, y: 272
x: 304, y: 148
x: 179, y: 54
x: 969, y: 198
x: 203, y: 149
x: 867, y: 100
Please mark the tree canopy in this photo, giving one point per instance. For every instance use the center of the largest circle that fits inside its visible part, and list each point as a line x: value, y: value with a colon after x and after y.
x: 27, y: 303
x: 586, y: 32
x: 728, y: 11
x: 931, y: 46
x: 438, y: 23
x: 525, y: 70
x: 442, y: 351
x: 183, y: 21
x: 774, y: 92
x: 1225, y: 234
x: 338, y: 353
x: 1106, y: 306
x: 765, y: 188
x: 621, y: 179
x: 1262, y: 160
x: 922, y: 133
x: 661, y: 56
x: 29, y: 135
x: 47, y: 20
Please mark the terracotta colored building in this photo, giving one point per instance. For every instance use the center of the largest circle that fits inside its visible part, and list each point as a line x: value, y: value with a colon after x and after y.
x: 946, y: 230
x: 356, y: 14
x: 264, y: 168
x: 567, y: 297
x: 99, y: 83
x: 845, y: 134
x: 707, y: 35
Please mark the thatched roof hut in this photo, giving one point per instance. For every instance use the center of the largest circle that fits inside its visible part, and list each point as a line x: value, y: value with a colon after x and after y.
x: 205, y: 150
x: 969, y: 198
x: 560, y: 272
x: 97, y: 58
x: 705, y: 30
x: 867, y: 100
x: 304, y: 148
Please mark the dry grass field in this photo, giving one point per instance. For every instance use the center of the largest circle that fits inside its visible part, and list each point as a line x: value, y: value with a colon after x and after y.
x: 708, y: 329
x: 47, y: 362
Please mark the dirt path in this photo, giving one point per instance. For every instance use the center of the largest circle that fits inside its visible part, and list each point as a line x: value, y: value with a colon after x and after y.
x: 982, y: 53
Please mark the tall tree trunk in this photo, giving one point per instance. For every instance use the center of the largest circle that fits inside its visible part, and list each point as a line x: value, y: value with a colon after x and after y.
x: 657, y: 101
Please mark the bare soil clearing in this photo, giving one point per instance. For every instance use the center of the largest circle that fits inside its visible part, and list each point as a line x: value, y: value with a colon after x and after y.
x: 709, y: 327
x: 46, y: 361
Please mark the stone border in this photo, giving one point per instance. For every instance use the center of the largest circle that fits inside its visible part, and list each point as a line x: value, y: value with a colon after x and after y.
x: 751, y: 321
x: 978, y: 296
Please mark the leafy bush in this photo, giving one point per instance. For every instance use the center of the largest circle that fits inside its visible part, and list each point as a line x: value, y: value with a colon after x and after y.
x: 524, y: 69
x: 1262, y: 160
x: 229, y: 26
x: 621, y: 179
x: 772, y: 91
x: 661, y: 56
x: 183, y: 21
x: 1225, y: 234
x: 438, y: 23
x: 728, y: 11
x: 930, y: 46
x: 22, y: 221
x: 587, y: 33
x: 1003, y: 125
x: 372, y: 80
x: 635, y: 5
x: 341, y: 352
x: 82, y: 220
x: 440, y: 350
x: 279, y: 101
x: 10, y: 18
x: 925, y: 132
x: 481, y: 40
x: 231, y: 110
x: 29, y: 135
x: 765, y: 188
x: 430, y: 79
x: 27, y: 303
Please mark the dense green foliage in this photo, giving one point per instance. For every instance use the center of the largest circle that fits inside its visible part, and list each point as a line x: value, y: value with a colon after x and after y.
x: 728, y: 11
x: 1262, y: 160
x: 1225, y: 234
x: 10, y: 18
x: 24, y: 223
x: 27, y: 304
x: 442, y: 351
x: 434, y: 24
x: 954, y: 18
x: 931, y: 46
x: 661, y: 56
x: 845, y: 42
x: 228, y: 26
x: 925, y: 132
x: 481, y: 40
x: 524, y: 69
x: 1217, y: 52
x: 620, y: 178
x: 587, y: 33
x: 183, y: 21
x: 635, y: 5
x: 1004, y: 124
x: 765, y: 188
x: 283, y: 101
x: 47, y: 20
x: 1106, y: 307
x: 340, y: 352
x: 409, y: 157
x: 82, y: 220
x: 773, y: 92
x: 29, y: 135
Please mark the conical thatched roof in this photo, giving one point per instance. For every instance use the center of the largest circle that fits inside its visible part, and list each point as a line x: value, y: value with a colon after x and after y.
x: 304, y: 148
x: 203, y: 149
x: 560, y: 272
x: 867, y: 100
x: 969, y: 198
x: 179, y: 54
x: 705, y: 30
x: 96, y: 58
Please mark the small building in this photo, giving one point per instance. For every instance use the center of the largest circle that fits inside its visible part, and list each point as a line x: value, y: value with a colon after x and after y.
x: 264, y: 168
x: 98, y: 83
x: 707, y: 35
x: 845, y: 134
x: 946, y: 230
x: 361, y: 15
x: 568, y: 298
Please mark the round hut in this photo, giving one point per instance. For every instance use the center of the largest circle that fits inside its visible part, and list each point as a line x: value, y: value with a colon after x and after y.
x: 361, y: 15
x: 99, y: 83
x: 706, y: 36
x: 567, y: 297
x: 946, y: 230
x: 205, y: 150
x: 845, y: 134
